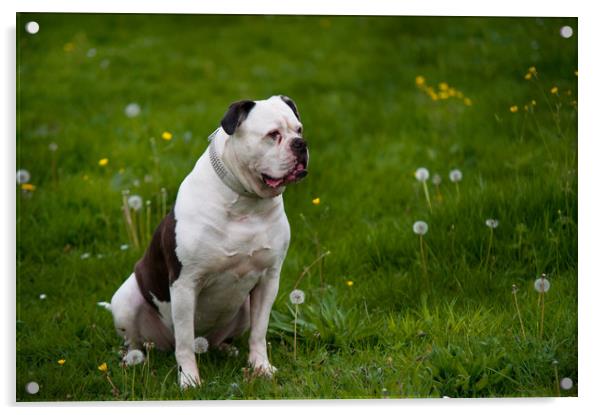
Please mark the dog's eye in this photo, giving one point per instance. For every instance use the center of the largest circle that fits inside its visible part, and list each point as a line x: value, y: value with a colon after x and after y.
x: 274, y: 135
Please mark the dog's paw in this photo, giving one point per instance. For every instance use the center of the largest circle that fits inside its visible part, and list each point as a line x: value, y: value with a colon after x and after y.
x: 263, y: 369
x: 133, y: 357
x: 188, y: 380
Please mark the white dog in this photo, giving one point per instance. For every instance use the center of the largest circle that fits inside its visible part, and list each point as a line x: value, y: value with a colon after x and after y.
x: 213, y: 266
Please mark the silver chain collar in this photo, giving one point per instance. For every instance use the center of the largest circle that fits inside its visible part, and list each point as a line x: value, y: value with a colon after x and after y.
x: 222, y: 172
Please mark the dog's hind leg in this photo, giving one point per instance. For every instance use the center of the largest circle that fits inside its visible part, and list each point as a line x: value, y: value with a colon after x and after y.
x: 125, y: 306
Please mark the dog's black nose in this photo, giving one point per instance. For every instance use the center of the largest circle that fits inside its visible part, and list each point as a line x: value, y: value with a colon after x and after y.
x: 298, y: 144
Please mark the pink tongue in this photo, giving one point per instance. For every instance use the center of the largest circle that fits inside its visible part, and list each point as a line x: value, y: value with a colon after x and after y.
x: 273, y: 182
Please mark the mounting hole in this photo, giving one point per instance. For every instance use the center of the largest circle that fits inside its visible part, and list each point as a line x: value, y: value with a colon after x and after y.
x: 32, y: 27
x: 566, y: 31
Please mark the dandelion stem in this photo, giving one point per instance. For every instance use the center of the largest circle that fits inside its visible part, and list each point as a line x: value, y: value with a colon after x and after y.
x: 458, y: 190
x: 53, y: 169
x: 422, y: 256
x: 426, y: 194
x: 128, y: 221
x: 557, y: 381
x: 489, y: 247
x: 542, y: 314
x: 520, y: 319
x: 307, y: 268
x: 295, y: 333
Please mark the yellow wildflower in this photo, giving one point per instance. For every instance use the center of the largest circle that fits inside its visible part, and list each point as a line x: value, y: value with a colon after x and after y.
x: 349, y: 283
x: 28, y: 186
x: 443, y: 86
x: 85, y: 177
x: 533, y: 102
x: 166, y: 135
x: 528, y: 76
x: 103, y: 368
x: 526, y: 107
x: 69, y: 47
x: 61, y: 362
x: 576, y: 73
x: 316, y: 201
x: 514, y: 108
x: 554, y: 90
x: 460, y: 95
x: 533, y: 70
x: 443, y: 95
x: 467, y: 102
x: 103, y: 162
x: 420, y: 80
x: 452, y: 92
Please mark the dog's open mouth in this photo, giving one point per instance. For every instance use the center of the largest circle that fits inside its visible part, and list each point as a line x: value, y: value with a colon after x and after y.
x: 297, y: 173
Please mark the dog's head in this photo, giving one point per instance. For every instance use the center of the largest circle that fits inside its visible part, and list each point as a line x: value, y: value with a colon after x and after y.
x: 266, y: 149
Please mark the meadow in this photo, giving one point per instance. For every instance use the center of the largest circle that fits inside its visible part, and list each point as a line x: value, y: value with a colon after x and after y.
x: 114, y: 103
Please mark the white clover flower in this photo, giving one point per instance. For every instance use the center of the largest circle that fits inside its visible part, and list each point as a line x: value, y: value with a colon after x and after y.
x: 32, y: 388
x: 422, y: 174
x: 132, y: 110
x: 297, y: 297
x: 201, y: 345
x: 133, y: 357
x: 53, y: 147
x: 135, y: 202
x: 42, y: 296
x: 91, y: 52
x: 124, y: 247
x: 455, y: 175
x: 85, y: 255
x: 492, y: 223
x: 436, y: 180
x: 23, y: 176
x: 542, y: 284
x: 566, y: 383
x: 420, y: 227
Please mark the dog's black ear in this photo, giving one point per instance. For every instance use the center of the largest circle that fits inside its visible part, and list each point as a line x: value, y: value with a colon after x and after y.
x: 236, y: 114
x: 291, y: 104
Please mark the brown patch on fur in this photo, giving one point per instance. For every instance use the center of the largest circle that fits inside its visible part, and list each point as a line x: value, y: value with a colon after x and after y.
x: 160, y: 266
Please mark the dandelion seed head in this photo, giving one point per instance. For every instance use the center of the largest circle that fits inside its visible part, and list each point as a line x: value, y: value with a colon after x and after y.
x: 455, y: 175
x: 53, y: 147
x: 124, y: 247
x: 23, y: 176
x: 85, y: 255
x: 566, y: 31
x: 201, y: 345
x: 297, y: 296
x: 32, y: 388
x: 542, y: 284
x: 422, y: 174
x: 436, y: 180
x: 566, y: 383
x: 492, y: 223
x: 32, y: 27
x: 133, y: 357
x: 135, y: 202
x: 91, y: 52
x: 132, y: 110
x: 42, y: 296
x: 514, y: 289
x: 420, y: 227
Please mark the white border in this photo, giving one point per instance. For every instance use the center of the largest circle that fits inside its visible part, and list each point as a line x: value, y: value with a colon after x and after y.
x: 590, y: 93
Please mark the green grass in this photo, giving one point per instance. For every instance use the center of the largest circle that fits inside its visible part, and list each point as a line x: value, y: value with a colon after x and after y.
x: 396, y: 332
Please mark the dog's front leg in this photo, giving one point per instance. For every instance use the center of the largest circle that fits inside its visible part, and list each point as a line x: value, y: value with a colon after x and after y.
x: 262, y: 299
x: 183, y: 302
